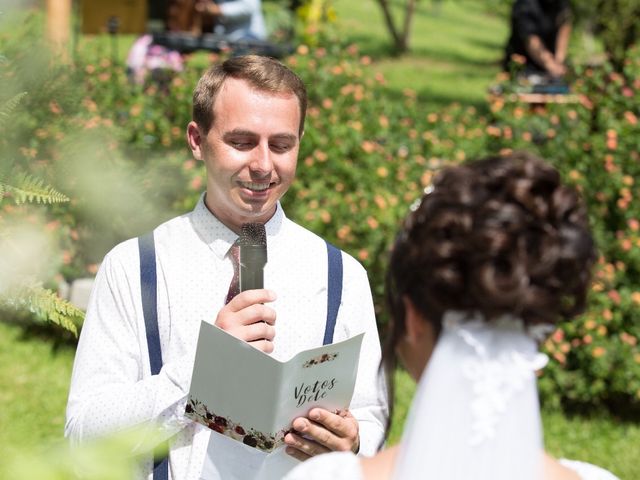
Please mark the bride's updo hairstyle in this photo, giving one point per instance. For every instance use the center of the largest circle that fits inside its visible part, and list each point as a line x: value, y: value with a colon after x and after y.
x: 495, y: 236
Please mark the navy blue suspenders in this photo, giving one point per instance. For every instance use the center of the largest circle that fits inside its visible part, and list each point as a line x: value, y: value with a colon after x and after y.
x: 334, y: 291
x: 148, y: 290
x: 148, y: 287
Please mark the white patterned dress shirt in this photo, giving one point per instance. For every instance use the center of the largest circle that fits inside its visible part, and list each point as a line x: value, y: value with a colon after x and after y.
x: 111, y: 386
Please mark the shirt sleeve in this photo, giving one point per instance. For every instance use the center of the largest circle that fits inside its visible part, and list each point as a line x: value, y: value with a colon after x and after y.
x: 526, y: 18
x: 565, y: 14
x: 239, y: 9
x: 356, y: 315
x: 111, y: 386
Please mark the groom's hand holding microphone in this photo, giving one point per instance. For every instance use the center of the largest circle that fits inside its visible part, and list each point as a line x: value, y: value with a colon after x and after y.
x: 246, y: 316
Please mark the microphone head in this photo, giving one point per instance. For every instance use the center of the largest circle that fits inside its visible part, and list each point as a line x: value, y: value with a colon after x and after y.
x: 253, y: 234
x: 253, y: 256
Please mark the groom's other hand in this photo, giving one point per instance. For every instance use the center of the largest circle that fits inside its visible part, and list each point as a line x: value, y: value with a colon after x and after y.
x: 322, y: 432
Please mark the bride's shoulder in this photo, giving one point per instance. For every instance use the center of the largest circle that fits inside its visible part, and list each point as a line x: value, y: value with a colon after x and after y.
x: 587, y: 471
x: 335, y: 465
x: 381, y: 465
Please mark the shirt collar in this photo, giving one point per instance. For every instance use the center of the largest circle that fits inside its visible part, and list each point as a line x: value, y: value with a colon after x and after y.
x: 218, y: 236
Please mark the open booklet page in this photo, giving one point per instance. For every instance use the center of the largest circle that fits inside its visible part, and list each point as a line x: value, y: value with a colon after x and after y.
x: 243, y: 393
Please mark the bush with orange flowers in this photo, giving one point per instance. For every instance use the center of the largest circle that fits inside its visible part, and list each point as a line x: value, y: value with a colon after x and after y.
x: 595, y: 143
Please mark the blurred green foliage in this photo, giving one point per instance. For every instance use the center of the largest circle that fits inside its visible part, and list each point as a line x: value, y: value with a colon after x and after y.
x: 615, y: 22
x: 20, y: 288
x: 114, y: 458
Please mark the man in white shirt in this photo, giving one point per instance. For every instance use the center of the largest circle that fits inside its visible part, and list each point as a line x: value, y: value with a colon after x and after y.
x: 248, y: 119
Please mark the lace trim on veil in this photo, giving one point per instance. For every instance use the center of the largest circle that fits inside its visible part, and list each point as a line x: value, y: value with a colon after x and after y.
x: 476, y: 412
x: 496, y: 376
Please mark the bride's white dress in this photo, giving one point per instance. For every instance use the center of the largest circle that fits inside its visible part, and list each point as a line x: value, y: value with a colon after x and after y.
x: 346, y: 466
x: 475, y: 415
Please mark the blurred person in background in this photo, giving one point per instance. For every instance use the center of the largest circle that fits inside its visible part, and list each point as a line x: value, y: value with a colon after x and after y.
x: 234, y: 19
x: 540, y: 31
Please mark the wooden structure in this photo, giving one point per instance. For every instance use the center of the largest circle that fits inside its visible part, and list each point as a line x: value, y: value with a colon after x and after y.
x: 123, y: 16
x: 534, y: 101
x: 541, y: 98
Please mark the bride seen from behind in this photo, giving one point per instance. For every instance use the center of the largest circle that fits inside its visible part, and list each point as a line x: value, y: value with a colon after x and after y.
x: 491, y: 258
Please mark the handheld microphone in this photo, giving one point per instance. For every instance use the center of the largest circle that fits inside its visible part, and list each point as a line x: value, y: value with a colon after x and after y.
x: 253, y: 256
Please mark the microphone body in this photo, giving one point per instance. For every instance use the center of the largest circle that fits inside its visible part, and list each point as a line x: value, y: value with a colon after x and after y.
x: 253, y: 256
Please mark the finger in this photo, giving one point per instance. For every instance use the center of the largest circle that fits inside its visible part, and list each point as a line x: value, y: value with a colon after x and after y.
x: 342, y: 424
x: 316, y: 432
x: 259, y: 331
x: 306, y: 446
x: 255, y: 313
x: 229, y: 320
x: 297, y: 454
x: 265, y: 346
x: 251, y: 297
x: 248, y: 333
x: 338, y: 432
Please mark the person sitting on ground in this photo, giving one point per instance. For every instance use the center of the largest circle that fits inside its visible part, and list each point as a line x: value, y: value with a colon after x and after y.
x: 147, y: 61
x: 493, y: 256
x: 540, y: 31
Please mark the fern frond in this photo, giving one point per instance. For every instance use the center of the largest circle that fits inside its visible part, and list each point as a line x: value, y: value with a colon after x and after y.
x: 27, y: 188
x: 9, y: 106
x: 47, y: 305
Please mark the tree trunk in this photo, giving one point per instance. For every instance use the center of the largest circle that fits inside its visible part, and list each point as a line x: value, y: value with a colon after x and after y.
x: 400, y: 38
x: 406, y: 29
x: 388, y: 19
x: 59, y: 26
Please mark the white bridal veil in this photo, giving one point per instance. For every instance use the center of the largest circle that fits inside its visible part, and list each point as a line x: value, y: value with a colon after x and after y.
x: 476, y: 413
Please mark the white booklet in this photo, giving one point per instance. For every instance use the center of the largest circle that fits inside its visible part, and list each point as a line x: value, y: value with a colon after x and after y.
x: 243, y: 393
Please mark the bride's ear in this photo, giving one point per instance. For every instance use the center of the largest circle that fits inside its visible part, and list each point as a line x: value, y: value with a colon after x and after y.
x: 419, y: 341
x: 416, y: 325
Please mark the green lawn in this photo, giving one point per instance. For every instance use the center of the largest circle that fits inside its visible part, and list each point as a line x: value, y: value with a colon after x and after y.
x: 34, y: 380
x: 456, y: 48
x: 600, y: 440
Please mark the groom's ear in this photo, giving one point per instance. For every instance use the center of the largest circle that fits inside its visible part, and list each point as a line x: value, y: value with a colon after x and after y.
x: 194, y: 140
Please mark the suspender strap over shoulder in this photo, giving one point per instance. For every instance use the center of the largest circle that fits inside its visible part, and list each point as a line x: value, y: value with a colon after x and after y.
x: 148, y: 289
x: 334, y: 291
x: 148, y: 284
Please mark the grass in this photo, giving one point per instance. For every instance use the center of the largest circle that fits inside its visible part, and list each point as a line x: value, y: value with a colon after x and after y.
x: 601, y: 440
x: 455, y: 54
x: 35, y: 371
